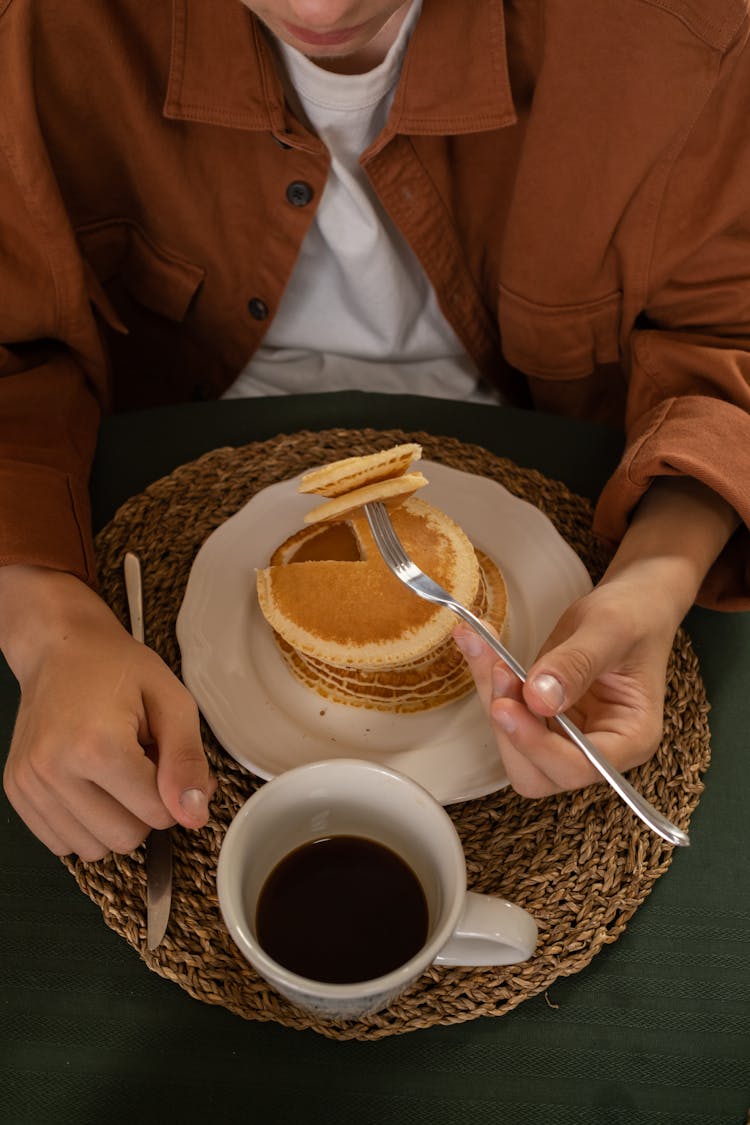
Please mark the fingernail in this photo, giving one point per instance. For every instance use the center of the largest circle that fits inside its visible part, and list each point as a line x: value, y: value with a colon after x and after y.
x: 505, y: 721
x: 549, y: 689
x: 194, y: 803
x: 501, y: 678
x: 469, y: 643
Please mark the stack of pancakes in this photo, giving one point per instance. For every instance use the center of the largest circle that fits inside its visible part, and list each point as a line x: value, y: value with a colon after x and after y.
x: 346, y: 626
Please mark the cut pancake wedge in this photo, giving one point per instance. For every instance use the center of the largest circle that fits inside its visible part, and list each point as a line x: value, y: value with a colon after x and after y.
x: 343, y: 476
x: 390, y: 492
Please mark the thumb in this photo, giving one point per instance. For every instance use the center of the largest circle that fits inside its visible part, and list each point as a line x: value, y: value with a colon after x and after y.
x: 559, y: 678
x: 182, y: 773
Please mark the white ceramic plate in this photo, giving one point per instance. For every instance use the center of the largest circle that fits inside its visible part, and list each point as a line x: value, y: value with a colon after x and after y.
x: 269, y: 722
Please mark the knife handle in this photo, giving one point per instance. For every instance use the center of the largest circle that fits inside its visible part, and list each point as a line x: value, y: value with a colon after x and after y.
x: 134, y: 592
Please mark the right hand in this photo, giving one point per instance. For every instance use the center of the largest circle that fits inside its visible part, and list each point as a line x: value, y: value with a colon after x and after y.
x: 107, y: 741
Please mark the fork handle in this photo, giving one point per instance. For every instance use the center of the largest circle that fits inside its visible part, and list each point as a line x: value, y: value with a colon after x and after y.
x: 640, y: 806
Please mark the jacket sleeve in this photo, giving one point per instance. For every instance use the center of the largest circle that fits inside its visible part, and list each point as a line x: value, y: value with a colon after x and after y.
x: 48, y: 426
x: 53, y: 370
x: 688, y: 410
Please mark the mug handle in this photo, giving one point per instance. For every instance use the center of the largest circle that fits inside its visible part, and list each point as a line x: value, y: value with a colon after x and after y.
x: 490, y: 931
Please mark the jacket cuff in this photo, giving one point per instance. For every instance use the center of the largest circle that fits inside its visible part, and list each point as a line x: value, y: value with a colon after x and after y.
x: 45, y: 518
x: 698, y: 437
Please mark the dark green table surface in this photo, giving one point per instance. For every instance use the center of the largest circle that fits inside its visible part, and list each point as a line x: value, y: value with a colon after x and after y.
x: 655, y: 1031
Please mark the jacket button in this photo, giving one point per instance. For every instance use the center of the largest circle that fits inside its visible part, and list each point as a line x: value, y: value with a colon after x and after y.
x: 258, y: 309
x: 299, y: 193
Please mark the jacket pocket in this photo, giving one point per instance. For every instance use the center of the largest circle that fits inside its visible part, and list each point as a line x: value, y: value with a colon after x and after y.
x: 560, y: 341
x: 155, y: 277
x: 144, y: 294
x: 570, y: 354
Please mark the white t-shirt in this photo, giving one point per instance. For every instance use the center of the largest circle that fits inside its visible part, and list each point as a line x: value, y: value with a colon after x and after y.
x: 358, y: 311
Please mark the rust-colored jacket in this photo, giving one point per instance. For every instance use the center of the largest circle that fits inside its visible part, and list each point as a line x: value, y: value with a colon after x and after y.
x: 574, y: 177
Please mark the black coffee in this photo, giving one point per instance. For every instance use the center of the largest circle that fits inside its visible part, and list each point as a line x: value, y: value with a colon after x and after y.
x: 342, y: 909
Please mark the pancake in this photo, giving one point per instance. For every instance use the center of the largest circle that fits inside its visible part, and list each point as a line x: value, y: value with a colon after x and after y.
x: 441, y: 676
x: 357, y: 614
x: 349, y: 630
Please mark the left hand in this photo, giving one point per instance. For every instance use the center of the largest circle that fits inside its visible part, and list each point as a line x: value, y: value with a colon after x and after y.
x: 604, y: 665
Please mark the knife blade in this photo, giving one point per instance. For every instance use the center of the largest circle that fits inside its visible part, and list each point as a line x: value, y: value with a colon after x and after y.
x: 159, y: 840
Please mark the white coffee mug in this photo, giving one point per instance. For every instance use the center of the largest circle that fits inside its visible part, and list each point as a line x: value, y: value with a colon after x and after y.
x: 351, y: 797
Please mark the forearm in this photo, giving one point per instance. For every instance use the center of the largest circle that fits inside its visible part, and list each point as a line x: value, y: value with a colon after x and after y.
x: 676, y: 533
x: 39, y: 607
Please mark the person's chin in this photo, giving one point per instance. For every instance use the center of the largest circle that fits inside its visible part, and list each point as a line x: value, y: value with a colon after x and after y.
x: 344, y: 40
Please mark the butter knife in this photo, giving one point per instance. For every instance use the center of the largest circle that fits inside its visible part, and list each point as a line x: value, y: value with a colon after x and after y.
x: 158, y: 841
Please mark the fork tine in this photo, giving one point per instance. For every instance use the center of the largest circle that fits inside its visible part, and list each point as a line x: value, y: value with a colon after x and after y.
x: 398, y: 553
x: 385, y: 536
x: 374, y: 513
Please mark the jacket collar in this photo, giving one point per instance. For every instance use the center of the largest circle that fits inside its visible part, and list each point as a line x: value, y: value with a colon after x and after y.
x: 223, y: 72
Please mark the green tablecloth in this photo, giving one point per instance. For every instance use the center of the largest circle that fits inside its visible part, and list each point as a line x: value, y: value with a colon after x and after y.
x: 655, y: 1031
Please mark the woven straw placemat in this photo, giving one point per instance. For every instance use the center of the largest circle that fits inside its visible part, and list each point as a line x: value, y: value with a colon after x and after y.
x: 581, y: 863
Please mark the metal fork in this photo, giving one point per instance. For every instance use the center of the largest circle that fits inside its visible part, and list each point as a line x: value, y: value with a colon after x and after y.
x: 409, y: 573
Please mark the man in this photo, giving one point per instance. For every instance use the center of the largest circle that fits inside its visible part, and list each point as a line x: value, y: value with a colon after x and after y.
x: 557, y: 193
